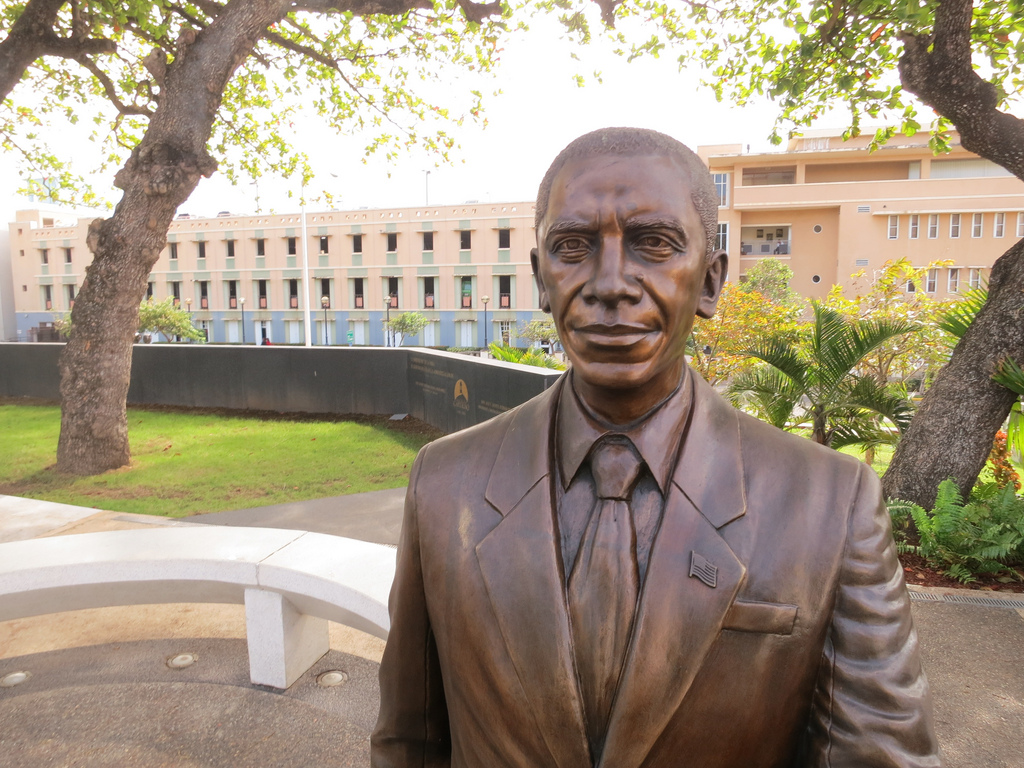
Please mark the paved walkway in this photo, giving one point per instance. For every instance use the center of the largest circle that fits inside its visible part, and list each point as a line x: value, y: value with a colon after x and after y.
x: 101, y: 694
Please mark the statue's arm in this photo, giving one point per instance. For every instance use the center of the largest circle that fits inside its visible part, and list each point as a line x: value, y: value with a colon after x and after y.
x: 872, y: 706
x: 412, y: 728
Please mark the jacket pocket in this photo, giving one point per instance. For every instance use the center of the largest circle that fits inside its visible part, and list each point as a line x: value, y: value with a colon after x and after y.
x: 768, y: 618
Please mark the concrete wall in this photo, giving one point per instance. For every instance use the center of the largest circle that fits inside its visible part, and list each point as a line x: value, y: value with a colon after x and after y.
x: 446, y: 390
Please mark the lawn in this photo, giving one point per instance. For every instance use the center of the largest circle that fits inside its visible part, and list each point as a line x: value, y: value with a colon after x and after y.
x: 187, y: 463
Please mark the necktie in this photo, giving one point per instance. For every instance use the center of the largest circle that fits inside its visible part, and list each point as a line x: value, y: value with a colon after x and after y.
x: 604, y: 583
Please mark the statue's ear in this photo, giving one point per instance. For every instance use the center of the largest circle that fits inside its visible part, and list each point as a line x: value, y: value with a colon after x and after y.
x: 542, y: 292
x: 714, y: 281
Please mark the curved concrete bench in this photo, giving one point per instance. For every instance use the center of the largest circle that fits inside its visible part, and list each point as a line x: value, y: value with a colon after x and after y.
x: 291, y: 583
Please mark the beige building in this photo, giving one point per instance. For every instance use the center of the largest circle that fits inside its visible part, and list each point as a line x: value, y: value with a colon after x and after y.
x: 830, y: 208
x: 827, y: 208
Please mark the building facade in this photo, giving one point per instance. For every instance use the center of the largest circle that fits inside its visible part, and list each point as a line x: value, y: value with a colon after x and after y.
x: 466, y: 268
x: 830, y: 209
x: 827, y: 208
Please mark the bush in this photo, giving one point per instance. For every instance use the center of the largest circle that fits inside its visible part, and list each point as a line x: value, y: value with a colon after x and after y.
x: 983, y: 536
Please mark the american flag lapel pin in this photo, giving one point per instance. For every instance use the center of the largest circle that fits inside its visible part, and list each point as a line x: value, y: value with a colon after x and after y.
x: 703, y: 569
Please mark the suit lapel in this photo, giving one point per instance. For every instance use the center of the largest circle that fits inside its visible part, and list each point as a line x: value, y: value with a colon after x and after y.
x: 680, y: 616
x: 519, y: 563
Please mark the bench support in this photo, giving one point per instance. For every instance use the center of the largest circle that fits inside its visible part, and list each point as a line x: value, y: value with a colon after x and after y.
x: 283, y: 643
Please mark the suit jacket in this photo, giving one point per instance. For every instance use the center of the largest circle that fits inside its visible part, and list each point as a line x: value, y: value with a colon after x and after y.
x: 803, y: 653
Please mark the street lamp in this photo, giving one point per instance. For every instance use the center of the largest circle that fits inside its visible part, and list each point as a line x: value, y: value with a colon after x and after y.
x: 241, y: 303
x: 486, y: 300
x: 188, y: 308
x: 387, y: 321
x: 325, y: 302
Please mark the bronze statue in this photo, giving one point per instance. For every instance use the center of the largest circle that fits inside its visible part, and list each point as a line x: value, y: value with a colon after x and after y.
x: 626, y: 571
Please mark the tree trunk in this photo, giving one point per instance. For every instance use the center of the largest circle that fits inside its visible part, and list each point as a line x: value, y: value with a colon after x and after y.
x: 161, y: 173
x: 951, y: 434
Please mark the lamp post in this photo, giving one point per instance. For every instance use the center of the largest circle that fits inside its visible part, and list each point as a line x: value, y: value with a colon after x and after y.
x: 486, y: 300
x: 188, y: 308
x: 387, y: 321
x: 325, y: 302
x: 426, y: 184
x: 241, y: 303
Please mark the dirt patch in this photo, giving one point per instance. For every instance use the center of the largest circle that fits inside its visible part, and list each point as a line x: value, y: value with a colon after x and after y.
x: 917, y: 571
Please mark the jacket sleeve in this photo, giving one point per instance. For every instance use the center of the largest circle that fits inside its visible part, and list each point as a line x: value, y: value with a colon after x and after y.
x: 872, y: 707
x: 412, y: 728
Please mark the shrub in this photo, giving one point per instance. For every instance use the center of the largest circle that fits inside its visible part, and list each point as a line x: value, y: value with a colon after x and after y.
x: 983, y: 536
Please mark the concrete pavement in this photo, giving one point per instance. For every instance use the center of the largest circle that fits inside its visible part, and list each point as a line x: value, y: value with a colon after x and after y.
x: 100, y: 692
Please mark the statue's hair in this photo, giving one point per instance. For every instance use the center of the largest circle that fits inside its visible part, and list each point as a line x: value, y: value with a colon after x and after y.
x: 634, y: 142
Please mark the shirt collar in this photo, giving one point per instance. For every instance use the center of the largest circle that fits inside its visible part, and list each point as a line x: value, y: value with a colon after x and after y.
x: 656, y: 435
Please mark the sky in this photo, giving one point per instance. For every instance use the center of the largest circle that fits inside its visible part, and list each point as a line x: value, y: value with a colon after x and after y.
x: 539, y: 110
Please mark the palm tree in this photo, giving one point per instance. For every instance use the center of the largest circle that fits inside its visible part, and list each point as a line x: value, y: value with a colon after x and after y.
x: 816, y: 383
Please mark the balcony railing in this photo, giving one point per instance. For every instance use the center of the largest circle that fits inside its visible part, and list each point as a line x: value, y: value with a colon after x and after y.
x: 263, y: 302
x: 505, y: 301
x: 359, y: 302
x: 293, y: 302
x: 232, y: 303
x: 760, y: 248
x: 428, y: 301
x: 394, y: 301
x: 467, y: 302
x: 204, y: 303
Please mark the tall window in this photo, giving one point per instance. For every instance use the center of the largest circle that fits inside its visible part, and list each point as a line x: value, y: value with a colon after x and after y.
x: 324, y: 247
x: 428, y: 241
x: 261, y: 246
x: 953, y: 280
x: 977, y: 223
x: 71, y: 296
x: 230, y: 245
x: 67, y: 255
x: 722, y: 187
x: 292, y: 247
x: 894, y: 227
x: 325, y: 290
x: 931, y: 282
x: 974, y: 277
x: 722, y: 237
x: 149, y: 290
x: 44, y: 255
x: 201, y: 249
x: 393, y: 291
x: 954, y: 225
x: 357, y: 290
x: 428, y: 292
x: 204, y: 294
x: 176, y: 293
x: 915, y: 226
x: 293, y: 294
x: 1020, y: 224
x: 357, y: 243
x: 392, y: 242
x: 232, y: 294
x: 933, y: 226
x: 999, y: 225
x: 466, y: 291
x: 505, y: 329
x: 465, y: 240
x: 261, y: 290
x: 504, y: 238
x: 47, y: 297
x: 504, y: 291
x: 172, y: 251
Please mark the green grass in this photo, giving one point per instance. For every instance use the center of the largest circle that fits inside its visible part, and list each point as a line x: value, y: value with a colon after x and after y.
x: 188, y: 463
x: 883, y: 455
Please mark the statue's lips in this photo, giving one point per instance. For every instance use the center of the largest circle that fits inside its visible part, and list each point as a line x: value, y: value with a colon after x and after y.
x: 616, y: 335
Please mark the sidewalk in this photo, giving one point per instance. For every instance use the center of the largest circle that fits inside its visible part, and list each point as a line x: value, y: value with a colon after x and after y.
x: 99, y: 678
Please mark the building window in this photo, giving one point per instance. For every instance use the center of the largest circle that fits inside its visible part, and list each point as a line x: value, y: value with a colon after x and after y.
x: 954, y: 225
x: 176, y: 293
x: 47, y: 297
x: 504, y: 238
x: 722, y: 187
x: 149, y: 290
x: 974, y: 277
x: 261, y: 289
x: 357, y: 243
x: 393, y: 291
x: 291, y: 246
x: 505, y: 329
x: 933, y: 226
x: 230, y: 244
x: 172, y: 251
x: 504, y: 291
x: 71, y: 295
x: 911, y: 286
x: 392, y: 242
x: 428, y: 292
x: 894, y: 227
x: 915, y: 227
x: 293, y: 294
x: 1020, y: 225
x: 357, y: 290
x: 722, y: 237
x: 261, y: 246
x: 999, y: 225
x: 324, y: 248
x: 977, y: 223
x: 67, y: 255
x: 953, y: 280
x: 465, y: 240
x: 44, y: 255
x: 931, y: 281
x: 466, y: 291
x: 201, y: 249
x: 232, y: 294
x: 325, y: 291
x: 204, y: 294
x: 428, y: 241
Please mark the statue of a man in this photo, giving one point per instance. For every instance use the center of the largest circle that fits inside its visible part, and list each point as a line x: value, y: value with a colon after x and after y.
x: 626, y: 571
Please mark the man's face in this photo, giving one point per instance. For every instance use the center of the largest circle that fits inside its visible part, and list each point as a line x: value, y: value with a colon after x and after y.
x: 621, y: 266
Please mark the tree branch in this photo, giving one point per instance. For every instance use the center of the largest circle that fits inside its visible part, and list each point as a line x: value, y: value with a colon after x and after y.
x: 937, y: 69
x: 111, y: 91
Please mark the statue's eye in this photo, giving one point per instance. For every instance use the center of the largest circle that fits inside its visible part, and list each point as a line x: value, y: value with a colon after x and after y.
x: 571, y: 248
x: 656, y: 246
